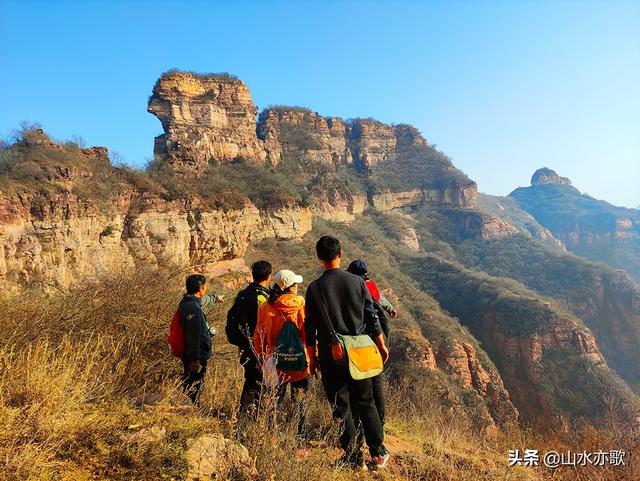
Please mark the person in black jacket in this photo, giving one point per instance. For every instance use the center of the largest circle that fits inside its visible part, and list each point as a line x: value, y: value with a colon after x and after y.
x: 197, y: 334
x: 241, y: 324
x: 351, y: 311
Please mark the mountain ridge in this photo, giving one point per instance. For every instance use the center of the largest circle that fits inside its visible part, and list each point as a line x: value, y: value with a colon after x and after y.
x: 588, y: 227
x: 226, y: 184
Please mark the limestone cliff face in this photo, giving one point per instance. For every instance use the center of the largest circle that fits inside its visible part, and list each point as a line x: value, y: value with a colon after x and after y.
x: 302, y: 134
x: 211, y: 118
x: 52, y: 236
x: 609, y: 304
x: 54, y: 240
x: 371, y: 142
x: 335, y: 206
x: 460, y: 360
x: 458, y: 196
x: 204, y: 117
x: 548, y: 176
x: 398, y: 200
x: 475, y: 224
x: 521, y: 359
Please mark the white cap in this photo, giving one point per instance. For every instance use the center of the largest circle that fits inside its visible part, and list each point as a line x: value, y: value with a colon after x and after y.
x: 285, y: 278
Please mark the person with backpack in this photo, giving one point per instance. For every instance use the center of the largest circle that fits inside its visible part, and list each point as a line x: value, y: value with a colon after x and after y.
x: 190, y: 334
x: 359, y: 268
x: 280, y: 333
x: 240, y: 327
x: 383, y: 306
x: 339, y: 306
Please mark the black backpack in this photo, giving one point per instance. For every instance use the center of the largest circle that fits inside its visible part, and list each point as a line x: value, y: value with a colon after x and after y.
x: 232, y: 329
x: 384, y: 320
x: 239, y: 325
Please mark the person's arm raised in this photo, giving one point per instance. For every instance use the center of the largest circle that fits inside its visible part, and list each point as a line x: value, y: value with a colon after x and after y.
x: 211, y: 299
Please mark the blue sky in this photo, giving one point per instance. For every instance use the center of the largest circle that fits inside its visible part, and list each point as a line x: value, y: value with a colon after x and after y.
x: 501, y: 87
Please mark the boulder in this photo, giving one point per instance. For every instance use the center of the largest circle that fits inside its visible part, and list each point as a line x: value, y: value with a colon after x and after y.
x: 212, y: 456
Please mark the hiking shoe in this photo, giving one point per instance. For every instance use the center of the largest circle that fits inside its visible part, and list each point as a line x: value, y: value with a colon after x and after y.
x: 349, y: 462
x: 380, y: 461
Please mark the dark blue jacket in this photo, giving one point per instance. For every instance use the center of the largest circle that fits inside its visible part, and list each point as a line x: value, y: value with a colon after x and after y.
x: 197, y: 337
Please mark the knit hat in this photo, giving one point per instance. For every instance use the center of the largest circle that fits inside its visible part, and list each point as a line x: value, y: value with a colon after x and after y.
x: 357, y: 267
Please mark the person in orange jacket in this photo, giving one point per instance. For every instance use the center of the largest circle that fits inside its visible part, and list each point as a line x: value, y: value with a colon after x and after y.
x: 284, y: 304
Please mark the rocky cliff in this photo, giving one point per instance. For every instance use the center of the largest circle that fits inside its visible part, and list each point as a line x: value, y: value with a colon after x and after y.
x: 301, y: 134
x: 54, y: 240
x: 534, y: 344
x: 212, y: 119
x: 588, y: 227
x: 224, y: 185
x: 547, y: 176
x: 205, y: 118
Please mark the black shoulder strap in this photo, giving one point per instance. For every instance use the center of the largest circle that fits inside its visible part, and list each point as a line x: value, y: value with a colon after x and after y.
x: 317, y: 297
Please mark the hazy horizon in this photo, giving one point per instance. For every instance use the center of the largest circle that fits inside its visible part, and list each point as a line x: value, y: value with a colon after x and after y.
x: 503, y: 88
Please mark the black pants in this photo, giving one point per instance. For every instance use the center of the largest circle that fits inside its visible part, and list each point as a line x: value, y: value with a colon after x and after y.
x: 298, y: 389
x: 192, y: 380
x: 378, y: 396
x: 353, y: 403
x: 251, y: 388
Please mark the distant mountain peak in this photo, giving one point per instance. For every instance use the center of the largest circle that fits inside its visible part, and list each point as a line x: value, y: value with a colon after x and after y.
x: 548, y: 176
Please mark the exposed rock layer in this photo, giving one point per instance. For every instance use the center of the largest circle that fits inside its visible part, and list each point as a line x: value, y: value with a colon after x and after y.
x: 205, y: 118
x: 548, y: 176
x: 53, y: 240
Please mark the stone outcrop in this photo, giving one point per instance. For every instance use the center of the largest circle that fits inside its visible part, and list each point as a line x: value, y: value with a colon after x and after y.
x: 205, y: 118
x: 520, y: 360
x: 461, y: 361
x: 458, y: 196
x: 301, y: 134
x: 398, y: 200
x: 474, y: 224
x: 415, y: 351
x: 212, y: 456
x: 548, y: 176
x: 335, y: 206
x: 371, y: 142
x: 53, y: 240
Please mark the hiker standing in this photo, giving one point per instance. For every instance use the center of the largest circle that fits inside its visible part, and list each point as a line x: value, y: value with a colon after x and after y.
x: 241, y: 323
x: 280, y: 333
x: 382, y: 305
x: 350, y: 311
x: 197, y: 333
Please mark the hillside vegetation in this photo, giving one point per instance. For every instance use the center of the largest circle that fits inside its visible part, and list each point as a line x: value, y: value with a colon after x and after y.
x: 76, y: 367
x: 589, y: 227
x: 503, y: 340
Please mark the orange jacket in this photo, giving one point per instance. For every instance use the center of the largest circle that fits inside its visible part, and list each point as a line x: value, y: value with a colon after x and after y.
x: 271, y: 319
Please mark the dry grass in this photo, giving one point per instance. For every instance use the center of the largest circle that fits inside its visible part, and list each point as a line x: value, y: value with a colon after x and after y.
x: 72, y: 366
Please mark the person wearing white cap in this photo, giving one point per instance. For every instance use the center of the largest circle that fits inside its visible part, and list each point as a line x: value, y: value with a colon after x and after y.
x: 280, y: 333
